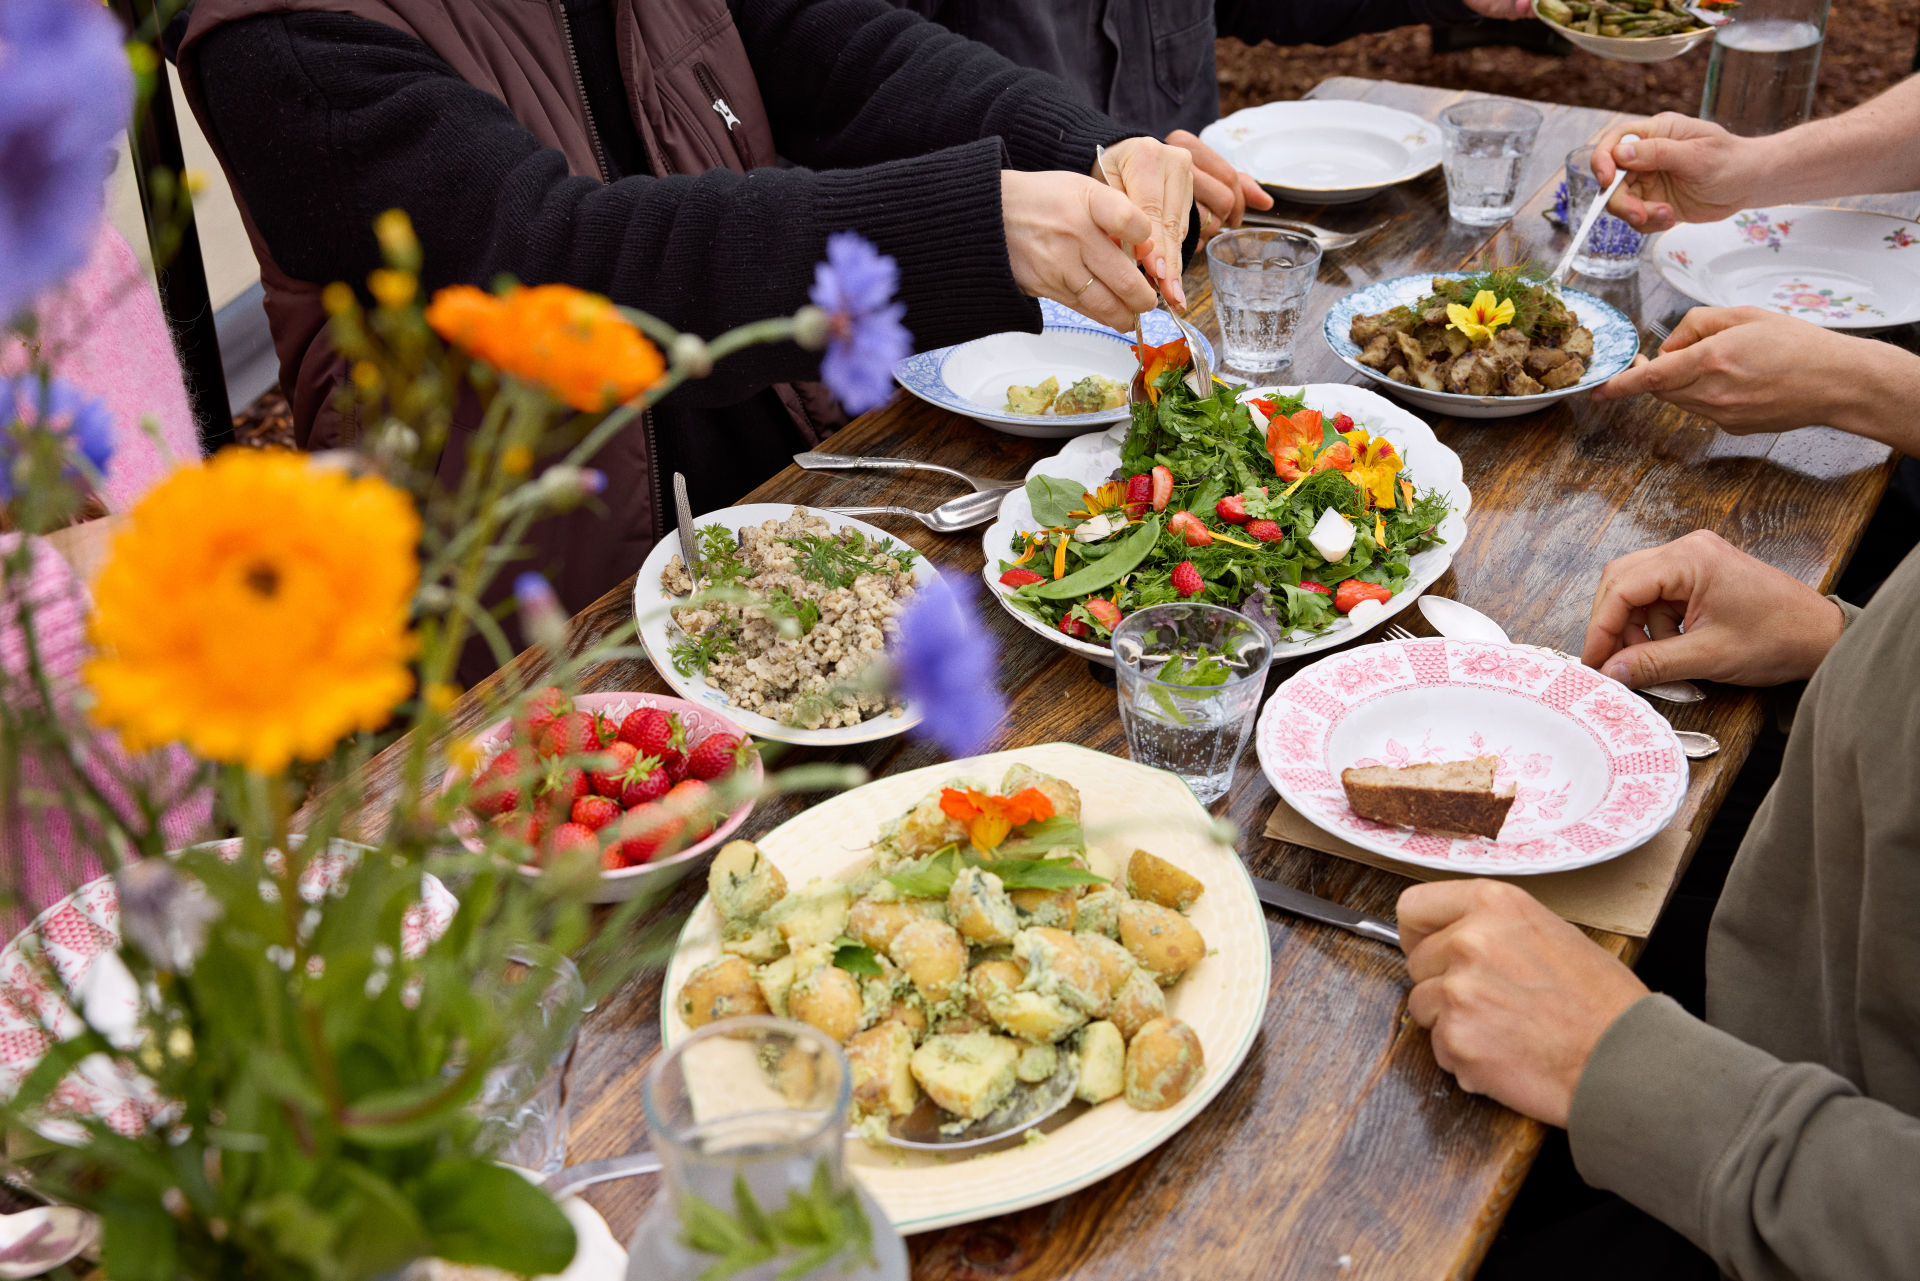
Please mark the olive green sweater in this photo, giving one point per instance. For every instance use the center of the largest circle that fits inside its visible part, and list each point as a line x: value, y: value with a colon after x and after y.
x: 1782, y: 1135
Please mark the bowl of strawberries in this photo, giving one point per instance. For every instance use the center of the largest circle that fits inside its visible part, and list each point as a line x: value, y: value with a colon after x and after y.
x: 644, y: 782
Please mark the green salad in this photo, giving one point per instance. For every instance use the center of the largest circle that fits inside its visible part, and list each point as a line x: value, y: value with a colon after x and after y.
x: 1291, y: 516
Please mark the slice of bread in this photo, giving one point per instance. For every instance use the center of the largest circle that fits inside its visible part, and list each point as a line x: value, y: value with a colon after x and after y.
x: 1446, y: 796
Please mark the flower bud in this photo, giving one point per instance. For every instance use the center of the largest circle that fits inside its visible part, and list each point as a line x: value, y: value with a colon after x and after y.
x: 810, y: 328
x: 689, y: 352
x: 540, y: 611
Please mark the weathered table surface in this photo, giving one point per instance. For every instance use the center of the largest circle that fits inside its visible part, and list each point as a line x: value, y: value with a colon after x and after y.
x: 1340, y: 1148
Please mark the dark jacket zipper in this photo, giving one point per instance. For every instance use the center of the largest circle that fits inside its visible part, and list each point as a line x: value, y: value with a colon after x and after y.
x: 580, y: 87
x: 717, y: 103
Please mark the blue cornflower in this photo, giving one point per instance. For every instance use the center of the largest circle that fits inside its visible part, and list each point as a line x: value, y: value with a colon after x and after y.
x: 66, y: 92
x: 865, y: 338
x: 29, y: 405
x: 944, y: 661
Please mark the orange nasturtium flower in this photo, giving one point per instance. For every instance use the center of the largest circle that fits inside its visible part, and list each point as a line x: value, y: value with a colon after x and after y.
x: 575, y: 344
x: 1376, y: 466
x: 988, y: 819
x: 1155, y: 361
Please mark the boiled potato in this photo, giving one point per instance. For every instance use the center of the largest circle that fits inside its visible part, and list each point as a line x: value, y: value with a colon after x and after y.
x: 874, y: 923
x: 934, y: 957
x: 1103, y: 1063
x: 910, y: 1012
x: 1058, y: 966
x: 969, y: 1074
x: 956, y: 1024
x: 979, y: 908
x: 988, y: 980
x: 882, y: 1061
x: 1158, y: 881
x: 829, y: 998
x: 721, y: 989
x: 815, y: 916
x: 1065, y: 798
x: 1034, y: 1016
x: 1163, y: 1063
x: 921, y: 830
x: 1098, y: 911
x: 1056, y: 909
x: 776, y: 978
x: 1137, y: 1004
x: 1161, y: 939
x: 1115, y: 962
x: 1037, y: 1063
x: 752, y: 941
x: 743, y: 881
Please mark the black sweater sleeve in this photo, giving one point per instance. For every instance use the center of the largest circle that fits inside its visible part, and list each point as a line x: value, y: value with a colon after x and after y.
x: 326, y: 120
x: 1328, y: 22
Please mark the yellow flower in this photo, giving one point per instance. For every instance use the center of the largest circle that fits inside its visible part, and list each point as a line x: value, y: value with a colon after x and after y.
x: 1480, y: 320
x: 392, y: 289
x: 255, y: 608
x: 1376, y: 466
x: 1106, y: 498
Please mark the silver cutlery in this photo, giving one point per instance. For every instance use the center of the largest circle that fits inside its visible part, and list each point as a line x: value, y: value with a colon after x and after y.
x: 813, y: 460
x: 1598, y: 207
x: 1201, y: 377
x: 949, y: 517
x: 1327, y: 239
x: 36, y: 1241
x: 1314, y: 908
x: 683, y: 513
x: 1463, y: 622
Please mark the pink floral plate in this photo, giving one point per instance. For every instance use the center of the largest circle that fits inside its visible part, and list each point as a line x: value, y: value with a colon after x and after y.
x: 1597, y: 771
x: 624, y: 883
x: 53, y: 965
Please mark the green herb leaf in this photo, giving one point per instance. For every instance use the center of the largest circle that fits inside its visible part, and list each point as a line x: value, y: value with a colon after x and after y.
x: 929, y: 877
x: 1036, y: 873
x: 1052, y: 498
x: 1040, y: 838
x: 691, y: 654
x: 837, y: 560
x: 857, y: 958
x: 816, y: 1226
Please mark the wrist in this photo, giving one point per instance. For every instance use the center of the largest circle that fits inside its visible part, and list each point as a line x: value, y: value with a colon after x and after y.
x: 1874, y: 383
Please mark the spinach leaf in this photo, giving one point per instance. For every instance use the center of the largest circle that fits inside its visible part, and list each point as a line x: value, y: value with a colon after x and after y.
x: 1052, y: 498
x: 1037, y: 873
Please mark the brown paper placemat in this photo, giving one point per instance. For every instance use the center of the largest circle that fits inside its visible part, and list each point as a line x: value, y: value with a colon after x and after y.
x: 1622, y: 895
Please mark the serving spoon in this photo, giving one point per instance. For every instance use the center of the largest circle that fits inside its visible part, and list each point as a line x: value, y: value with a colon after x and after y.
x: 949, y: 517
x: 1565, y: 269
x: 1463, y: 622
x: 813, y: 460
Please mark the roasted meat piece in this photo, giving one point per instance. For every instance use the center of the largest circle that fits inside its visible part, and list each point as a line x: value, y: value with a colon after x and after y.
x: 1565, y: 374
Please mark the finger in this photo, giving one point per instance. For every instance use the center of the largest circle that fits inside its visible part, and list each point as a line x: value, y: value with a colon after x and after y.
x: 1114, y: 215
x: 1699, y: 323
x: 1628, y: 586
x: 1098, y: 302
x: 1426, y: 1002
x: 1115, y: 269
x: 1614, y: 389
x: 1177, y: 206
x: 1217, y: 201
x: 1666, y: 377
x: 1663, y: 621
x: 1682, y: 657
x: 1257, y: 196
x: 1426, y: 909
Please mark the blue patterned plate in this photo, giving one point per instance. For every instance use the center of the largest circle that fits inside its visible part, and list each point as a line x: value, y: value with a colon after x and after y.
x: 972, y: 378
x: 1615, y: 343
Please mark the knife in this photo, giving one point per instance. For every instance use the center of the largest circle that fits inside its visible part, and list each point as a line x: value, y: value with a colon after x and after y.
x: 1300, y: 903
x: 683, y: 510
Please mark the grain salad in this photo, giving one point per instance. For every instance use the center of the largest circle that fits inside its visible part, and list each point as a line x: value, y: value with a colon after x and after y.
x: 816, y: 607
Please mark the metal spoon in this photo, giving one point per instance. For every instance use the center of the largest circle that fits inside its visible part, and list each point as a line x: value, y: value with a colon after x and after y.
x: 920, y: 1130
x: 815, y: 461
x: 1598, y: 207
x: 39, y: 1240
x: 1462, y: 622
x: 1326, y: 239
x: 949, y: 517
x: 1200, y: 378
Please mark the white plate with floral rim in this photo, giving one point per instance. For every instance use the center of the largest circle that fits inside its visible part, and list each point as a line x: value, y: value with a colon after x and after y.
x: 658, y: 632
x: 1615, y: 343
x: 1839, y: 268
x: 1326, y: 152
x: 51, y: 964
x: 1091, y: 460
x: 1223, y: 998
x: 622, y: 883
x: 1597, y: 771
x: 972, y: 378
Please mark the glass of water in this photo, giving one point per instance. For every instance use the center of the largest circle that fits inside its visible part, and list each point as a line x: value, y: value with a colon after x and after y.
x: 1612, y: 249
x: 1190, y: 680
x: 523, y: 1103
x: 1261, y: 279
x: 1487, y: 140
x: 1761, y: 75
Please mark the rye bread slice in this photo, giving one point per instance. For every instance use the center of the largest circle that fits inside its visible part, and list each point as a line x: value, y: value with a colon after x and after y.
x: 1445, y: 796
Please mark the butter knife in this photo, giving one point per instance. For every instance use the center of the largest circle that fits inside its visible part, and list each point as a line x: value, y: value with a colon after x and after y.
x: 1314, y: 908
x: 683, y: 511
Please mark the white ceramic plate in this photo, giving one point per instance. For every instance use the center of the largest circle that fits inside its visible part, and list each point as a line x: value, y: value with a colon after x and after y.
x: 972, y: 378
x: 1615, y: 343
x: 1092, y: 459
x: 1598, y: 771
x: 1326, y: 152
x: 1839, y: 268
x: 1626, y: 49
x: 658, y: 631
x: 1223, y: 998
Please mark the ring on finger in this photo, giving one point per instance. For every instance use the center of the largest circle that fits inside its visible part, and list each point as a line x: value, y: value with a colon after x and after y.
x: 1082, y: 289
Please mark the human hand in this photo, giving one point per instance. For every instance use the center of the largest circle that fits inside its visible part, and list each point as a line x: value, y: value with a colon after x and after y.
x: 1680, y: 170
x: 1507, y: 9
x: 1064, y: 234
x: 1700, y: 608
x: 1516, y: 998
x: 1159, y: 179
x: 1223, y: 193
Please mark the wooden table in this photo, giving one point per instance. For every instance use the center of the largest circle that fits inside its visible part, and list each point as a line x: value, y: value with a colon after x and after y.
x: 1340, y: 1148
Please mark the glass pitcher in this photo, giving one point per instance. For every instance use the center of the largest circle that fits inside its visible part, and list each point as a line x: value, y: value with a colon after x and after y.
x: 1761, y: 75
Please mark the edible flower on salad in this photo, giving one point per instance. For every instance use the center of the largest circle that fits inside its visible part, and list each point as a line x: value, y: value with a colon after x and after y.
x: 1479, y: 321
x: 1155, y: 361
x: 988, y: 819
x: 1376, y: 466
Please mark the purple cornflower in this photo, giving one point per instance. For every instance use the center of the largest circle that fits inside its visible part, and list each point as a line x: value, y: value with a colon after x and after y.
x: 865, y: 338
x: 66, y: 92
x: 540, y: 611
x: 29, y: 405
x: 944, y: 661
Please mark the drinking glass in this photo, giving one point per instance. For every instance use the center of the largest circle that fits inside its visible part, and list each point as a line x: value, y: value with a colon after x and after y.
x: 1761, y: 74
x: 1487, y: 141
x: 1261, y: 279
x: 523, y: 1102
x: 752, y: 1107
x: 1613, y: 248
x: 1190, y: 679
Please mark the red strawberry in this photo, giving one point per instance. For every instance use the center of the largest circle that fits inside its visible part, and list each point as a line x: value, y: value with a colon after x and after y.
x: 714, y: 756
x: 571, y: 734
x: 502, y: 785
x: 655, y: 733
x: 1139, y: 495
x: 1187, y: 580
x: 519, y: 825
x: 595, y: 812
x: 606, y: 727
x: 562, y: 785
x: 544, y: 706
x: 1342, y: 423
x: 1019, y: 576
x: 613, y: 857
x: 645, y: 780
x: 1189, y: 527
x: 1353, y: 591
x: 569, y: 837
x: 1162, y: 488
x: 1232, y: 509
x: 1306, y: 586
x: 609, y: 779
x: 693, y: 801
x: 644, y: 832
x: 1104, y: 612
x: 1074, y: 627
x: 1266, y: 531
x: 676, y: 768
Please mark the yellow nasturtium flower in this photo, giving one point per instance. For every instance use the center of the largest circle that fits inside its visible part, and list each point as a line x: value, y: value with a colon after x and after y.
x: 1480, y: 320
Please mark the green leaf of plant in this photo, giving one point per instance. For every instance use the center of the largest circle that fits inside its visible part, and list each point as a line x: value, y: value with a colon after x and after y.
x: 1037, y: 873
x: 479, y: 1212
x: 1037, y: 839
x: 857, y: 958
x: 929, y: 877
x: 1052, y: 498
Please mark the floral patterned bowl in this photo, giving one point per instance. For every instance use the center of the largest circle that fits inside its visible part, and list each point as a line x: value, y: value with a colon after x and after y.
x: 1848, y: 269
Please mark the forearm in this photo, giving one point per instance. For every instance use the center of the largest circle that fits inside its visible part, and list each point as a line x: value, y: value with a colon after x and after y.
x: 1328, y: 22
x: 1863, y: 151
x: 1876, y: 396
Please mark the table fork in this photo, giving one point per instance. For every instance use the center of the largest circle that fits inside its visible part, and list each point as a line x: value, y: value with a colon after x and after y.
x: 1327, y: 239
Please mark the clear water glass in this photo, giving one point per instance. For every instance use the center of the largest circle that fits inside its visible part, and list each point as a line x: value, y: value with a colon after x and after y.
x: 755, y: 1103
x: 1190, y: 680
x: 1612, y: 250
x: 523, y: 1102
x: 1764, y: 64
x: 1261, y: 279
x: 1487, y: 141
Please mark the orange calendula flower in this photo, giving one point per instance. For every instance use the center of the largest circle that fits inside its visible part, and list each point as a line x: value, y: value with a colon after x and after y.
x: 1106, y: 498
x: 574, y: 344
x: 988, y: 819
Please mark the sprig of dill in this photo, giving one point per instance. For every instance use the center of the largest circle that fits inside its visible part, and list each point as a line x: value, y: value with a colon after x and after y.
x: 720, y: 559
x: 837, y: 561
x: 695, y: 653
x: 1535, y: 305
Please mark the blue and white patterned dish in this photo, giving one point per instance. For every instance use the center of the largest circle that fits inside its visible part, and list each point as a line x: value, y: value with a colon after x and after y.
x: 972, y: 378
x: 1615, y: 343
